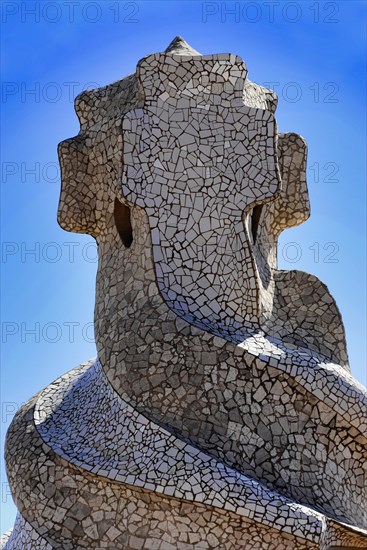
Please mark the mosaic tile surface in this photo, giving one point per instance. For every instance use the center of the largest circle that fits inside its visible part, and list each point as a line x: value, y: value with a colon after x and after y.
x: 23, y: 537
x: 221, y: 412
x: 71, y: 507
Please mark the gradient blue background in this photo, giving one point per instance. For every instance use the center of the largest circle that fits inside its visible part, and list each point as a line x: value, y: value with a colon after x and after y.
x: 45, y: 52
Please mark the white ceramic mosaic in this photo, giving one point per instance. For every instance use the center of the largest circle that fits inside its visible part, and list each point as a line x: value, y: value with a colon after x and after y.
x: 196, y: 158
x: 221, y: 412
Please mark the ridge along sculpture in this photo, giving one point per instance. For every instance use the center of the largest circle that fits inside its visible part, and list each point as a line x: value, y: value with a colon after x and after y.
x: 220, y: 412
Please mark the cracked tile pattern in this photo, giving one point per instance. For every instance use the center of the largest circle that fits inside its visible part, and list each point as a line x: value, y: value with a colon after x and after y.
x: 107, y: 438
x: 196, y: 158
x: 154, y: 459
x: 221, y: 412
x: 340, y: 536
x: 70, y: 507
x: 23, y: 537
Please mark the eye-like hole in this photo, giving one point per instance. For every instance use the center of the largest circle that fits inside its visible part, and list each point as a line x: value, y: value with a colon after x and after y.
x: 255, y: 218
x: 123, y: 222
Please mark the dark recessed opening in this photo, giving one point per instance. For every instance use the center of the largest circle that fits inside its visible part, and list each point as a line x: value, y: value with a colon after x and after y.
x: 123, y: 223
x: 255, y: 218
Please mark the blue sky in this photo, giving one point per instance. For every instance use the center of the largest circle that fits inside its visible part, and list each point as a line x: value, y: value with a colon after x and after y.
x: 313, y: 53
